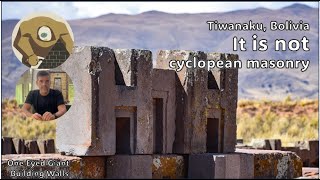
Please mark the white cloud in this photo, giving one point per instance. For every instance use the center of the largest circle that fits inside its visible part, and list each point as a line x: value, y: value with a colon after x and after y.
x: 76, y: 10
x: 18, y: 10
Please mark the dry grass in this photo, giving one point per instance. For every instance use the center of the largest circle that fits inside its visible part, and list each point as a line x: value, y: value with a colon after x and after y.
x: 15, y: 124
x: 288, y: 120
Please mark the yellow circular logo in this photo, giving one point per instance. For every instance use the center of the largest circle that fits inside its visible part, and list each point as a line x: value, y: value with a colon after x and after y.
x: 42, y: 40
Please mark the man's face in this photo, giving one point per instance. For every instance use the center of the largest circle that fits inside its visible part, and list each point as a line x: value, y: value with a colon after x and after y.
x: 43, y: 83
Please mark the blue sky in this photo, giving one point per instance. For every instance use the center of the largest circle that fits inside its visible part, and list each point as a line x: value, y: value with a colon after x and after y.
x: 78, y: 10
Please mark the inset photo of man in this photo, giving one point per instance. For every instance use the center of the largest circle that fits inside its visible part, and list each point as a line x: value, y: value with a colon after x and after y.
x: 44, y: 94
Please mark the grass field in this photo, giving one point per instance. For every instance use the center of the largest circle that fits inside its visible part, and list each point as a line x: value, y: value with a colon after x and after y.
x: 15, y: 124
x: 287, y: 120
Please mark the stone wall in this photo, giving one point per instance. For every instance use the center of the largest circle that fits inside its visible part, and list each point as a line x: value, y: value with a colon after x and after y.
x: 243, y: 164
x: 20, y: 146
x: 129, y: 107
x: 308, y: 151
x: 130, y: 120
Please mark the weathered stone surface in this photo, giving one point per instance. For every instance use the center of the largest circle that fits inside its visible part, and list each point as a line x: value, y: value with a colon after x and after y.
x: 146, y: 166
x: 163, y: 87
x: 127, y: 74
x: 2, y: 144
x: 137, y: 73
x: 32, y: 147
x: 93, y: 167
x: 168, y: 167
x: 220, y: 169
x: 50, y: 146
x: 302, y: 144
x: 229, y: 97
x: 199, y: 89
x: 293, y: 149
x: 75, y: 129
x: 246, y: 166
x: 190, y: 132
x: 191, y: 97
x: 314, y: 153
x: 118, y: 94
x: 230, y: 132
x: 19, y: 146
x: 308, y: 151
x: 42, y: 146
x: 305, y: 156
x: 233, y: 166
x: 260, y: 144
x: 46, y: 146
x: 275, y: 144
x: 274, y: 164
x: 8, y: 146
x: 266, y: 144
x: 52, y: 166
x: 103, y: 77
x: 202, y: 166
x: 105, y: 98
x: 310, y: 173
x: 221, y: 166
x: 144, y: 104
x: 129, y: 166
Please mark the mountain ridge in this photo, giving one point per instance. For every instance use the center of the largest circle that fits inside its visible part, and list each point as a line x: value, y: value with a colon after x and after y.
x: 158, y: 30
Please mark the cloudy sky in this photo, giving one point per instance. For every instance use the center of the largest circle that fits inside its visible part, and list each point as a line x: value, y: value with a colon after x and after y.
x: 78, y: 10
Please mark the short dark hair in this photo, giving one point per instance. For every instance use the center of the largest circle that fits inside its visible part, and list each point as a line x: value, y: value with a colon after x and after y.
x: 43, y: 73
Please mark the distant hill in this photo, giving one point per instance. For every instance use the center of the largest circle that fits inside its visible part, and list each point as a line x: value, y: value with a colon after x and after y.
x: 156, y: 30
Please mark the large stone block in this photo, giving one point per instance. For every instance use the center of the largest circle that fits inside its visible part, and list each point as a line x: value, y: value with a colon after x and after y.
x: 202, y: 166
x: 144, y: 129
x: 50, y: 146
x: 302, y: 144
x: 132, y: 97
x: 229, y: 138
x: 217, y: 73
x: 8, y: 146
x: 51, y: 166
x: 246, y: 166
x: 42, y: 146
x: 275, y: 144
x: 239, y: 166
x: 146, y: 166
x: 126, y: 67
x: 221, y: 166
x: 115, y: 88
x: 46, y: 146
x: 261, y: 144
x: 129, y: 166
x: 310, y: 173
x: 164, y: 110
x: 168, y: 167
x: 274, y: 164
x: 77, y: 130
x: 108, y: 84
x: 19, y: 145
x: 304, y: 154
x: 200, y: 89
x: 191, y: 90
x: 314, y: 153
x: 32, y: 147
x: 233, y: 166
